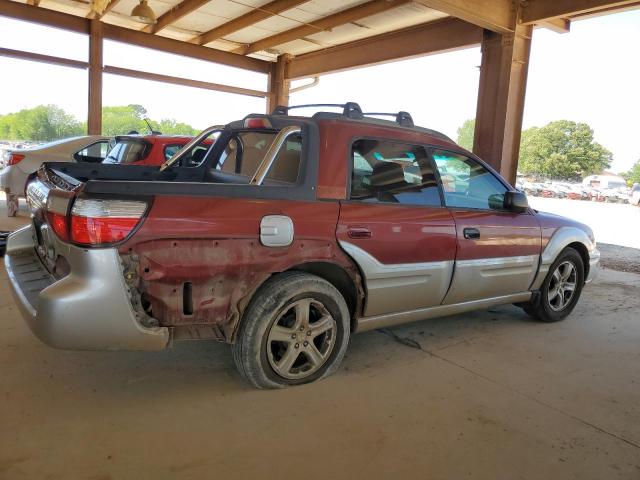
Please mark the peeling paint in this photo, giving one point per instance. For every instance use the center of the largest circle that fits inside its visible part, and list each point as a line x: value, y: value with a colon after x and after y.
x: 224, y: 275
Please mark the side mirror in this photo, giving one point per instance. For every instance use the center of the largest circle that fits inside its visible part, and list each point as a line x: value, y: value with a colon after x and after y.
x: 516, y: 202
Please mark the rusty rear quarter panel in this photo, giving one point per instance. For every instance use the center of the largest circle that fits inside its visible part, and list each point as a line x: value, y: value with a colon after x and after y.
x: 214, y: 244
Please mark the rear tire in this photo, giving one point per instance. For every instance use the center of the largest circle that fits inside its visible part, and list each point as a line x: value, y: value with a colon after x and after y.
x: 560, y: 290
x: 295, y: 330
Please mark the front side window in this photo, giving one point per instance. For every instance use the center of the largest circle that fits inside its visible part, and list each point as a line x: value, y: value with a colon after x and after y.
x: 392, y: 172
x: 467, y: 184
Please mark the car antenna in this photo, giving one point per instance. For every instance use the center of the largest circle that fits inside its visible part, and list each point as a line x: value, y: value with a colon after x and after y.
x: 153, y: 132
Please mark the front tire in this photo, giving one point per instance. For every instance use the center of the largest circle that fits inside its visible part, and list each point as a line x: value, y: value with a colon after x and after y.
x: 560, y: 290
x: 295, y: 330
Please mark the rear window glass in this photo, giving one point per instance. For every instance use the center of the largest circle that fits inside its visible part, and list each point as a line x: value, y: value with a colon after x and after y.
x: 246, y: 150
x: 127, y: 151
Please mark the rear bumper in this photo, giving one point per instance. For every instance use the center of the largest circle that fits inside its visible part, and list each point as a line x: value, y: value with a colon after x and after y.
x: 89, y: 309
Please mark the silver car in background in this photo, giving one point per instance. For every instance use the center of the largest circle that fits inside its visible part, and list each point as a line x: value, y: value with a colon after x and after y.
x: 19, y: 164
x: 634, y: 196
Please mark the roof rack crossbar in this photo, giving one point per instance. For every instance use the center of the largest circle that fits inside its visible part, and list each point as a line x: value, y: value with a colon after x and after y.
x: 402, y: 118
x: 349, y: 109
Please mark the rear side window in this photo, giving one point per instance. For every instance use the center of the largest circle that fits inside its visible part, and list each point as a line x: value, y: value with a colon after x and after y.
x: 128, y: 151
x: 468, y: 184
x: 95, y: 153
x: 392, y: 172
x: 246, y: 150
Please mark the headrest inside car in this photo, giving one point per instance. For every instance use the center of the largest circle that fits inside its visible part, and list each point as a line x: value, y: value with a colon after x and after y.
x: 386, y: 174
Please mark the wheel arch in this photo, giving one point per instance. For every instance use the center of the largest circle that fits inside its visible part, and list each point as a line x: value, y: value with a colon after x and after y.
x: 584, y: 254
x: 564, y: 237
x: 340, y: 279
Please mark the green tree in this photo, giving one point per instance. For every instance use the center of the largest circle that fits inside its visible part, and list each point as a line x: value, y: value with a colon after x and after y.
x: 121, y: 120
x: 50, y: 122
x: 42, y: 123
x: 170, y: 126
x: 633, y: 175
x: 465, y: 134
x: 562, y: 149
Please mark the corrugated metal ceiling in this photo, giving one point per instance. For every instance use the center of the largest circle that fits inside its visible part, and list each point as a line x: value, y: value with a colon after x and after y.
x: 218, y: 12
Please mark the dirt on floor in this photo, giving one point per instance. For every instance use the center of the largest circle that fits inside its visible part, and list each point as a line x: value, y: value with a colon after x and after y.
x: 623, y: 259
x: 486, y: 395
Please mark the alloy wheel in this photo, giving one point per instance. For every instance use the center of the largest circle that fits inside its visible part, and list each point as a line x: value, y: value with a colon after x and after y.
x: 301, y: 339
x: 562, y: 286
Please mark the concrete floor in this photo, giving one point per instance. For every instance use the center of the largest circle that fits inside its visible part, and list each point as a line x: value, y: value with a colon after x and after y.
x: 487, y: 395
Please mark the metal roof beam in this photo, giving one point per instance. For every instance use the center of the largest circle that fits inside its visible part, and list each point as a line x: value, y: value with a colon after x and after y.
x: 540, y: 10
x: 43, y: 16
x: 428, y: 38
x: 174, y: 14
x: 323, y: 24
x: 97, y: 16
x: 495, y: 15
x: 254, y: 16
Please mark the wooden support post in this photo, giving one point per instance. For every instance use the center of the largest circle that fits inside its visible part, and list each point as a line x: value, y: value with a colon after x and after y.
x: 503, y: 80
x: 278, y: 93
x: 94, y: 117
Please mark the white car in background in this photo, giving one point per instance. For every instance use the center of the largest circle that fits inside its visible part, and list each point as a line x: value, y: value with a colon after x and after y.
x: 19, y: 164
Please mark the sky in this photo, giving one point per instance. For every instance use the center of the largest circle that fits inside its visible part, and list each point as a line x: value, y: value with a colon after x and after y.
x: 588, y: 75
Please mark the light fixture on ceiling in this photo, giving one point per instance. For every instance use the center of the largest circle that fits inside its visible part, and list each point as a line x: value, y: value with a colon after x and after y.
x: 143, y: 13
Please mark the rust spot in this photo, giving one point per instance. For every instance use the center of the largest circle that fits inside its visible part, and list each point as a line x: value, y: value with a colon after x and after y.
x: 223, y: 275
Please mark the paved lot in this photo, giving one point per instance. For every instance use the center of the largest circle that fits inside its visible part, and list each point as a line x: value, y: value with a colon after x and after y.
x: 614, y: 223
x: 487, y: 395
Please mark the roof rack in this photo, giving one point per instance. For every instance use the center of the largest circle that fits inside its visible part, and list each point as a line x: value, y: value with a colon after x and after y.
x: 402, y: 118
x: 349, y: 109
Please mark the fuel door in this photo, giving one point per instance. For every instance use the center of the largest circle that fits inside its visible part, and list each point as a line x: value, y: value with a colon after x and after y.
x: 276, y: 231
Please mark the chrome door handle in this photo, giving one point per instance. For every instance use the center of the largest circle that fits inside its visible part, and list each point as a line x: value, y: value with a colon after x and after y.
x: 357, y: 232
x: 471, y: 233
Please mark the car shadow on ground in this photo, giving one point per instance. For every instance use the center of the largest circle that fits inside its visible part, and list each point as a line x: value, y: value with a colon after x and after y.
x: 208, y: 365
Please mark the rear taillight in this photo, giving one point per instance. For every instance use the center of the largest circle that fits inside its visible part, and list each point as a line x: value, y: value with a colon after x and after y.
x: 103, y: 221
x: 15, y: 158
x: 57, y: 212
